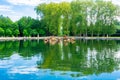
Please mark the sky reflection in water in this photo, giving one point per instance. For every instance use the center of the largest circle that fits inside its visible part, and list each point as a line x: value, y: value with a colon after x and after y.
x: 84, y: 60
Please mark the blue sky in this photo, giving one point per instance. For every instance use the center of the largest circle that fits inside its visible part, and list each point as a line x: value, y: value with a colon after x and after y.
x: 15, y: 9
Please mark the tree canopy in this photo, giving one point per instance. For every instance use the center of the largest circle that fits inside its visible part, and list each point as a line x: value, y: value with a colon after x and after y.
x: 79, y: 17
x: 25, y: 26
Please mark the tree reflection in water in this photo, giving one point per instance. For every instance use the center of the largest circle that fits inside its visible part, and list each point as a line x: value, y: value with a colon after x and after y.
x: 84, y: 56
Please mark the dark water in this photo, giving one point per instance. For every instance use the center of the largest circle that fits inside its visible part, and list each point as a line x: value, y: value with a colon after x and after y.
x: 83, y: 60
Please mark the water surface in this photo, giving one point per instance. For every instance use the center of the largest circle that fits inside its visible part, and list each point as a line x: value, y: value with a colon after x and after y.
x: 83, y: 60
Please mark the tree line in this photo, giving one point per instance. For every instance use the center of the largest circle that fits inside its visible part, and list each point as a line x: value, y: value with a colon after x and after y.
x: 25, y: 26
x: 79, y: 17
x: 83, y: 18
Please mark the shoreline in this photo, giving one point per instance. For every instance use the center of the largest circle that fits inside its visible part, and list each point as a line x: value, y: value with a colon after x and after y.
x: 41, y: 38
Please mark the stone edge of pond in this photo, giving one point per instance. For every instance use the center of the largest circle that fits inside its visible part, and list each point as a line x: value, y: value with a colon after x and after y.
x: 40, y: 38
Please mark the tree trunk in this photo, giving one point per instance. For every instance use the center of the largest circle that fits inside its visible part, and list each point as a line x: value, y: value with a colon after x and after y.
x: 92, y: 34
x: 86, y: 34
x: 38, y: 35
x: 107, y: 35
x: 98, y: 35
x: 80, y: 34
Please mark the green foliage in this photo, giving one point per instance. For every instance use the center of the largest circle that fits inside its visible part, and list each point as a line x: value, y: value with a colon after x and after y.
x: 25, y: 33
x: 8, y: 32
x: 2, y: 31
x: 34, y: 32
x: 25, y: 23
x: 79, y: 17
x: 30, y: 27
x: 26, y: 26
x: 41, y: 32
x: 16, y: 32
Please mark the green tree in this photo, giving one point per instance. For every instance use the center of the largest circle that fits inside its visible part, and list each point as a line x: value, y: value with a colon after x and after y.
x: 41, y: 32
x: 16, y: 32
x: 25, y: 33
x: 25, y: 23
x: 8, y: 32
x: 2, y: 32
x: 6, y: 24
x: 34, y: 32
x: 79, y: 17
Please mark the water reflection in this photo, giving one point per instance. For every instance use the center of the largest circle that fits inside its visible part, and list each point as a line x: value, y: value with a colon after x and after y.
x: 81, y: 59
x: 87, y: 57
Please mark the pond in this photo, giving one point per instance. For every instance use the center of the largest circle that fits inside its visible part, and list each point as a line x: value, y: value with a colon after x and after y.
x: 82, y: 60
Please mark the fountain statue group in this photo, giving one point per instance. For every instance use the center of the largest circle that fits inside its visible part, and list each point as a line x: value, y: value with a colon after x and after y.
x: 54, y: 40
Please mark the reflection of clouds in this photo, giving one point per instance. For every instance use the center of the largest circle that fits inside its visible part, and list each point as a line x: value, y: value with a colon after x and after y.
x: 117, y: 55
x: 83, y: 78
x: 5, y: 63
x: 19, y: 67
x: 91, y: 56
x: 118, y: 79
x: 16, y: 64
x: 40, y: 58
x: 23, y: 70
x: 15, y: 57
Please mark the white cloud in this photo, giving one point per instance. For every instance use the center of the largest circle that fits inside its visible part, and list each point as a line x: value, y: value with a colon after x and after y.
x: 5, y: 8
x: 117, y: 2
x: 8, y: 11
x: 36, y: 2
x: 14, y: 16
x: 32, y: 2
x: 26, y: 2
x: 15, y: 13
